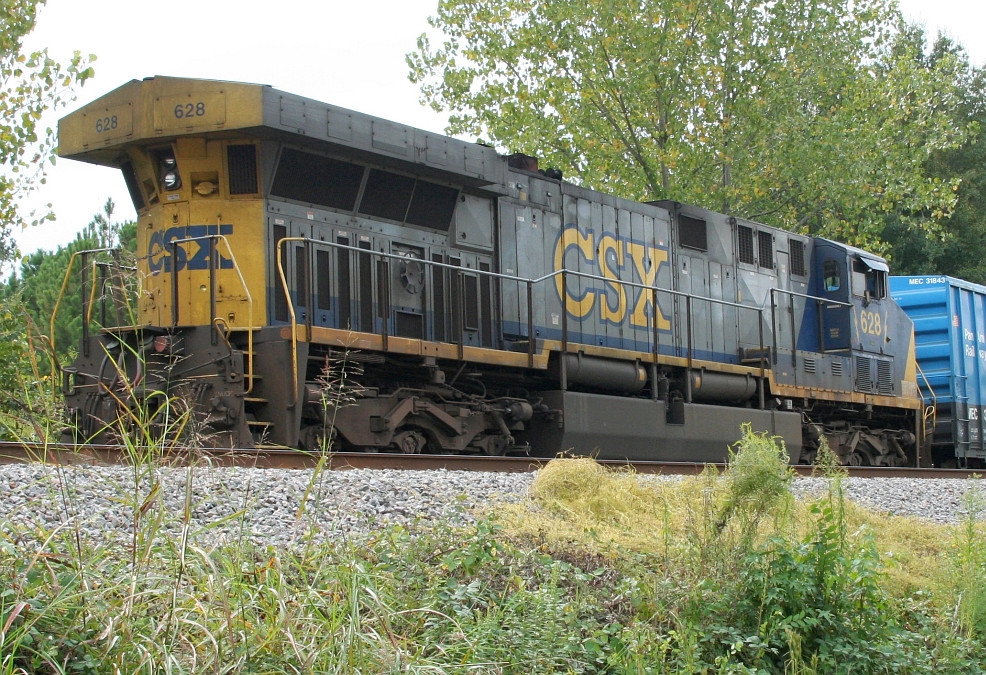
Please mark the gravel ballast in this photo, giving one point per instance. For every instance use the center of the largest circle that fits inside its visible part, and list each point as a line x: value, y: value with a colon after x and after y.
x: 264, y: 504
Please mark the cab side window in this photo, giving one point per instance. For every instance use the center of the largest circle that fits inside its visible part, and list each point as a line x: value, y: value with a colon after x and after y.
x: 830, y: 276
x: 868, y: 282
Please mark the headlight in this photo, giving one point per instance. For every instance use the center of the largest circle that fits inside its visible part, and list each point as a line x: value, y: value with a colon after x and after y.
x: 170, y: 178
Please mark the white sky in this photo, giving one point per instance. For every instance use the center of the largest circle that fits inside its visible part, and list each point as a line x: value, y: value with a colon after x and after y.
x: 346, y: 52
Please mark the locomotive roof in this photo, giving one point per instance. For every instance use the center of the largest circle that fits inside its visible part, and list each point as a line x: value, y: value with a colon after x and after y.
x: 158, y: 109
x: 871, y: 259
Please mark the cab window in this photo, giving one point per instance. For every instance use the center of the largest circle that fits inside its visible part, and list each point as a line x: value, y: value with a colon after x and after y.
x: 831, y: 277
x: 868, y: 281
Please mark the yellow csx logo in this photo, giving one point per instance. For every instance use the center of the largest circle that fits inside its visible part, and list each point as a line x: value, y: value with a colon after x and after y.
x: 615, y: 258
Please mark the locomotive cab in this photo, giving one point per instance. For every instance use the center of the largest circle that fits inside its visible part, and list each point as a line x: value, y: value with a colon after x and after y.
x: 864, y: 349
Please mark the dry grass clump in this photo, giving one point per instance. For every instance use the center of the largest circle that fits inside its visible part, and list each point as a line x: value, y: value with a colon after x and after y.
x: 580, y: 489
x: 575, y: 502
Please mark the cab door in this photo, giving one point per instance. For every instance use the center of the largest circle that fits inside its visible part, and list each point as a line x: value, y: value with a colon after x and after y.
x: 835, y: 325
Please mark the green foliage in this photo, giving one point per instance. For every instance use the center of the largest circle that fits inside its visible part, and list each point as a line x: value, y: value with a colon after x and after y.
x: 820, y: 589
x: 917, y: 251
x: 810, y: 115
x: 970, y: 567
x: 37, y: 285
x: 757, y: 480
x: 30, y: 84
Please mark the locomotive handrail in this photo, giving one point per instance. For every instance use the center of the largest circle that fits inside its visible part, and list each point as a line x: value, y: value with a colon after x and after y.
x: 931, y: 411
x: 528, y: 282
x: 92, y: 290
x: 212, y: 294
x: 294, y: 323
x: 61, y: 294
x: 821, y: 321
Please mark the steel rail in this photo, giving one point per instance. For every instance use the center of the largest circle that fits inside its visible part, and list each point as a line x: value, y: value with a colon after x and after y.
x: 286, y: 458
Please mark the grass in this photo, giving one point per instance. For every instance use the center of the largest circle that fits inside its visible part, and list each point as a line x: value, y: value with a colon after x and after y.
x: 598, y: 571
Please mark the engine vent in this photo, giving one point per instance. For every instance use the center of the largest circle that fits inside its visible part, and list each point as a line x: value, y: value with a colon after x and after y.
x: 765, y: 241
x: 885, y: 377
x: 797, y: 257
x: 864, y: 381
x: 242, y: 160
x: 746, y: 244
x: 692, y: 233
x: 810, y: 366
x: 837, y: 368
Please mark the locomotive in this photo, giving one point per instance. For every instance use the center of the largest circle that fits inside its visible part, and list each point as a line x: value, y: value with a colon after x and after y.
x: 310, y: 277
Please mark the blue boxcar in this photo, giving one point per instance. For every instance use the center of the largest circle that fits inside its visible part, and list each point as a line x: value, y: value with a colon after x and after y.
x: 950, y: 335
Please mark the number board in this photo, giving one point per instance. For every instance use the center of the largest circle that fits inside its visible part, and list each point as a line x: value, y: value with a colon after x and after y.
x: 172, y: 113
x: 109, y: 123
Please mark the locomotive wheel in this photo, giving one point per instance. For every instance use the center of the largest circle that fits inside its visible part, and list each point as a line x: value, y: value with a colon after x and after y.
x: 313, y: 438
x: 857, y: 459
x: 410, y: 442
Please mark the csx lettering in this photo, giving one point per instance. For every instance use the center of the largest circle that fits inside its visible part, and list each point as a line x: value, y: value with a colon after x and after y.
x: 616, y: 301
x: 159, y: 248
x: 870, y: 323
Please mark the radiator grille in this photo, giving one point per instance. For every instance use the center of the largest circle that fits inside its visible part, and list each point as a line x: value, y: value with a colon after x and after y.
x: 797, y: 257
x: 242, y: 161
x: 766, y: 243
x: 746, y: 244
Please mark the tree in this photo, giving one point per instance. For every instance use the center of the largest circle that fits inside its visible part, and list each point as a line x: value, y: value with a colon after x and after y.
x: 957, y: 252
x: 805, y: 114
x: 38, y: 285
x: 30, y: 84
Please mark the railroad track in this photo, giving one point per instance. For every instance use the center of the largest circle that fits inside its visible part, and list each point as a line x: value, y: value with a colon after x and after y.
x: 283, y: 458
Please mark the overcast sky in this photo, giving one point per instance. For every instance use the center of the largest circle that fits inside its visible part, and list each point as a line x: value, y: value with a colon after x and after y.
x: 349, y: 53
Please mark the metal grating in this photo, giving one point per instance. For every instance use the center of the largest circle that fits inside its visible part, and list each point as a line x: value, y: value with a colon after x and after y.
x: 797, y: 257
x: 864, y: 380
x: 810, y: 366
x: 885, y: 377
x: 692, y: 233
x: 837, y: 368
x: 242, y: 161
x: 766, y: 244
x: 746, y: 244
